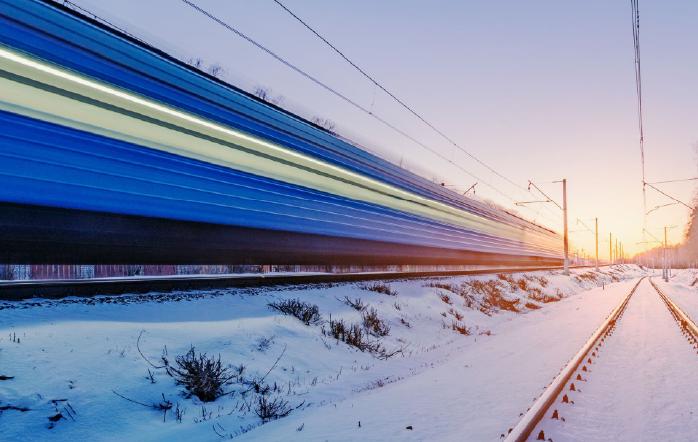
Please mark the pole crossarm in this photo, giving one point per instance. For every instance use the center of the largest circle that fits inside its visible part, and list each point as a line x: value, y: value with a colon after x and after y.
x: 564, y: 214
x: 655, y: 238
x: 660, y: 207
x: 589, y: 229
x: 667, y: 195
x: 469, y: 189
x: 549, y: 200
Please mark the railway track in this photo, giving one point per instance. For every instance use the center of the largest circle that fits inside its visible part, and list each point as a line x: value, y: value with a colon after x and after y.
x: 18, y: 290
x: 688, y: 327
x: 546, y: 413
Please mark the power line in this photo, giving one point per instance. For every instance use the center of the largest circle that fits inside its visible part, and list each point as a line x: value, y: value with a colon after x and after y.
x: 675, y: 181
x: 394, y: 97
x: 635, y: 11
x: 348, y: 100
x: 635, y: 17
x: 669, y: 196
x: 398, y: 100
x: 638, y: 79
x: 660, y: 207
x: 68, y: 3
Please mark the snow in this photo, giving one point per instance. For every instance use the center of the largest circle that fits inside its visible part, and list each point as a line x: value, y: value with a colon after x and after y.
x: 682, y: 291
x: 642, y: 385
x: 446, y: 385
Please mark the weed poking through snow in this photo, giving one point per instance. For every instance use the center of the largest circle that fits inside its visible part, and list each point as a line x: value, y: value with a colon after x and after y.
x: 357, y: 304
x: 379, y: 287
x: 308, y: 313
x: 373, y: 324
x: 268, y: 408
x: 201, y: 375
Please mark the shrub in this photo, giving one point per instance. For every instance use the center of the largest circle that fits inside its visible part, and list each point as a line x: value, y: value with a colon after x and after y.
x: 455, y: 314
x: 201, y: 375
x: 508, y: 279
x: 373, y: 324
x: 493, y: 297
x: 444, y: 297
x: 459, y: 327
x: 268, y: 409
x: 541, y: 297
x: 587, y: 276
x: 263, y: 343
x: 531, y: 306
x: 534, y: 292
x: 444, y: 286
x: 357, y: 304
x: 463, y: 291
x: 353, y: 335
x: 522, y: 284
x: 308, y: 313
x: 542, y: 280
x: 379, y: 287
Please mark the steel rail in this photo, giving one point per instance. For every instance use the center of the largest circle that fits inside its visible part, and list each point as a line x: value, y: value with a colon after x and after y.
x: 535, y: 414
x: 19, y: 290
x: 684, y: 321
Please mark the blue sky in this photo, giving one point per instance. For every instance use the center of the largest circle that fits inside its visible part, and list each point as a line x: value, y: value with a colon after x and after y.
x: 539, y: 89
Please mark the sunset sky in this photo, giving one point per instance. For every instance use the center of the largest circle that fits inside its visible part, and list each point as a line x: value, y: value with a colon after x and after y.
x: 539, y: 90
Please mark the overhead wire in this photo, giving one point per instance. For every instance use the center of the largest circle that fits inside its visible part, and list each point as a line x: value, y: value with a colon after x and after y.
x: 401, y: 102
x: 674, y: 181
x: 669, y: 196
x: 343, y: 97
x: 635, y: 17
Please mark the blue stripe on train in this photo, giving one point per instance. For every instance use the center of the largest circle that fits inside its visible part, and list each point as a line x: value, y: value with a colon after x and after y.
x: 39, y: 29
x: 52, y: 165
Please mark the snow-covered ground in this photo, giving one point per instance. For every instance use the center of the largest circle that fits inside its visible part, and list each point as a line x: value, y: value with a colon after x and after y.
x: 682, y: 288
x: 473, y: 352
x: 642, y: 387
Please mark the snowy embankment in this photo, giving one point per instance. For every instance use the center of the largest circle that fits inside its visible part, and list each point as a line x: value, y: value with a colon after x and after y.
x: 444, y: 358
x: 682, y: 288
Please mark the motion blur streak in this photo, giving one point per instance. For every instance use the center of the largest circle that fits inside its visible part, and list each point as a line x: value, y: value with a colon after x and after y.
x: 99, y: 126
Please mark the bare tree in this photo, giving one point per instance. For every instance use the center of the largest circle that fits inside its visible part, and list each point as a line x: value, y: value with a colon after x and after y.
x: 262, y: 93
x: 325, y: 123
x: 198, y: 63
x: 215, y: 69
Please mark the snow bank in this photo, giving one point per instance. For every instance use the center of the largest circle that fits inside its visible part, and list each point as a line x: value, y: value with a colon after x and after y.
x: 682, y: 288
x: 457, y: 361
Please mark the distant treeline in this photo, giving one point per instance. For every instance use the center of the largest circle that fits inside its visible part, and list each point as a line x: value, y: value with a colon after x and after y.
x: 679, y: 255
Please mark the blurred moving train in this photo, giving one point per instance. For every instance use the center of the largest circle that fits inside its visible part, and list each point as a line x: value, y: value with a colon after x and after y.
x: 111, y: 151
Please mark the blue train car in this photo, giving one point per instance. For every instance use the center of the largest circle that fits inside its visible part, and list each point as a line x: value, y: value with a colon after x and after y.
x: 111, y: 151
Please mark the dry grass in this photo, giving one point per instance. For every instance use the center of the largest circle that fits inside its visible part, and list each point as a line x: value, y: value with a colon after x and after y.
x: 492, y: 295
x: 201, y: 375
x: 532, y: 306
x: 373, y: 324
x: 357, y: 304
x: 459, y: 327
x: 308, y: 313
x: 379, y: 287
